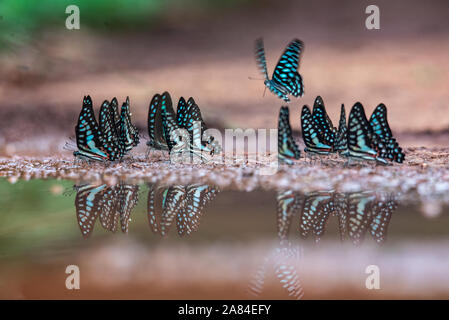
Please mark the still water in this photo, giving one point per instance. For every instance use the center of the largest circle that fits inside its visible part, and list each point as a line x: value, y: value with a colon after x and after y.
x: 197, y: 241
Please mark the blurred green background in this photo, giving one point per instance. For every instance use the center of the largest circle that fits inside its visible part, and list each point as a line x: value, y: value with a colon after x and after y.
x: 20, y: 19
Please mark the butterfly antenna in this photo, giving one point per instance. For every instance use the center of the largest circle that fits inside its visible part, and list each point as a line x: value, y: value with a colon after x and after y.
x: 264, y: 90
x: 69, y: 146
x: 258, y: 79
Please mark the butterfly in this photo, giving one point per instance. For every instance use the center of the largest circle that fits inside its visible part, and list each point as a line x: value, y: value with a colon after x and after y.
x: 380, y: 127
x: 155, y: 129
x: 129, y: 134
x: 341, y: 138
x: 363, y: 143
x: 323, y: 122
x: 110, y: 131
x: 89, y: 138
x: 188, y: 113
x: 285, y: 79
x: 287, y: 147
x: 312, y: 134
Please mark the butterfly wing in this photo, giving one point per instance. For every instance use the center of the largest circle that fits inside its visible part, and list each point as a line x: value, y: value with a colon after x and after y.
x: 87, y: 204
x: 155, y: 129
x: 260, y: 57
x: 129, y: 134
x: 360, y: 144
x: 341, y: 139
x: 109, y: 214
x: 198, y: 196
x: 173, y: 205
x: 89, y: 138
x: 323, y: 122
x: 381, y: 128
x: 288, y: 205
x: 382, y: 212
x: 128, y: 198
x: 169, y: 123
x: 311, y: 134
x: 286, y: 71
x: 359, y: 216
x: 109, y: 131
x: 287, y: 147
x: 181, y: 112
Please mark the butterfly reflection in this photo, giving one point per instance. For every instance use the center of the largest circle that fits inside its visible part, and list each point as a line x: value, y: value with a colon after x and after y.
x: 110, y: 203
x: 183, y: 204
x: 357, y: 213
x: 284, y: 259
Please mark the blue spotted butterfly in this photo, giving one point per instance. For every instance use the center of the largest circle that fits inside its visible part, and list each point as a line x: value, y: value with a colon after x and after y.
x: 312, y: 134
x: 155, y: 128
x: 323, y: 122
x: 287, y: 148
x: 380, y: 127
x: 188, y: 113
x: 129, y: 134
x: 90, y: 139
x: 363, y: 143
x: 341, y: 139
x: 110, y: 131
x: 285, y: 80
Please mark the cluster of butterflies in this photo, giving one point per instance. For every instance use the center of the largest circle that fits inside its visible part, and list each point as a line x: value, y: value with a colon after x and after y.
x: 111, y: 138
x: 360, y: 139
x: 115, y: 135
x: 164, y: 124
x: 357, y: 213
x: 113, y: 205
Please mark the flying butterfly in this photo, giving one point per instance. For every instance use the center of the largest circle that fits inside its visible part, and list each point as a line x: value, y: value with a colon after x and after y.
x: 288, y: 150
x: 341, y: 138
x: 285, y: 79
x: 311, y: 134
x: 89, y: 138
x: 363, y: 143
x: 380, y: 127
